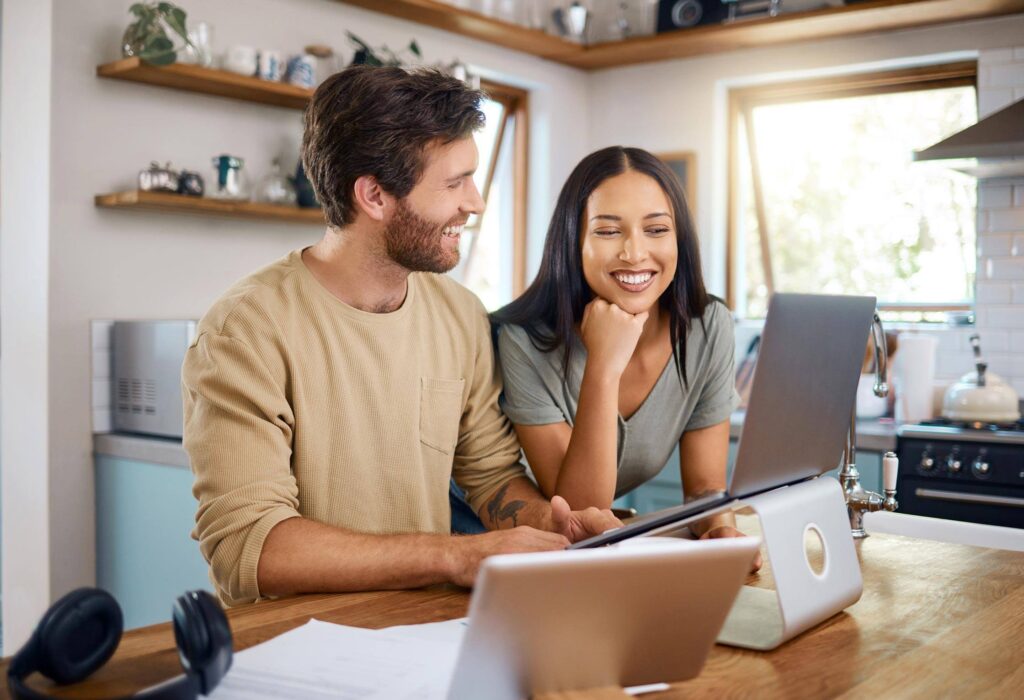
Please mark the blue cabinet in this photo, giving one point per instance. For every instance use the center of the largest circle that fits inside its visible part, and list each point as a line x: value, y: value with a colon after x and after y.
x: 145, y: 555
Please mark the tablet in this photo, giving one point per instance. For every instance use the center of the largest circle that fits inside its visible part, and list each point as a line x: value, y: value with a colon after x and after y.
x: 642, y: 611
x: 676, y: 515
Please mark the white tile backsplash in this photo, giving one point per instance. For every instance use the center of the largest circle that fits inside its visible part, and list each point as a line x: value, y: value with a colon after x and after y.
x: 1007, y: 75
x: 1005, y: 269
x: 102, y: 379
x: 999, y: 302
x: 994, y: 195
x: 991, y: 245
x: 1005, y: 317
x: 994, y: 293
x: 1006, y: 220
x: 993, y: 100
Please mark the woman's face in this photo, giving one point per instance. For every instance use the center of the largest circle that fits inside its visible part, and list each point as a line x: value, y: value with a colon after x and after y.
x: 629, y: 241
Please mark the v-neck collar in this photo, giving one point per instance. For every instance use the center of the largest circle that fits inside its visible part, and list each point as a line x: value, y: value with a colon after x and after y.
x: 669, y: 365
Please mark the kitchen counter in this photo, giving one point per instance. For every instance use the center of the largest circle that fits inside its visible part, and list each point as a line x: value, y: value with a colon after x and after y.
x: 935, y: 619
x: 141, y: 448
x: 873, y: 435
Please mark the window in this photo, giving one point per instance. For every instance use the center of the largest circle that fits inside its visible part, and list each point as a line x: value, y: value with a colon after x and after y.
x: 825, y: 197
x: 493, y: 246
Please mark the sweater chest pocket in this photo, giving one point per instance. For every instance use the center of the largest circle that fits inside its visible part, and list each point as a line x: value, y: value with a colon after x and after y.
x: 440, y: 412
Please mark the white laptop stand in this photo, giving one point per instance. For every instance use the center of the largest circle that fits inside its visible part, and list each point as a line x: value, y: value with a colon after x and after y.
x: 763, y: 619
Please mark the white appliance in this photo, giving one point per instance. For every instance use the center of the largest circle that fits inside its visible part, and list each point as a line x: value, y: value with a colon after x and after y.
x: 147, y: 359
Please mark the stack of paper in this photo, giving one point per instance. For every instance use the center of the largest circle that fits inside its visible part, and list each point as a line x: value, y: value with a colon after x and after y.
x: 324, y: 660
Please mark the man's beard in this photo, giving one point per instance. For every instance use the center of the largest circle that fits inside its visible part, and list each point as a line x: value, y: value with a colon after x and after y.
x: 416, y: 243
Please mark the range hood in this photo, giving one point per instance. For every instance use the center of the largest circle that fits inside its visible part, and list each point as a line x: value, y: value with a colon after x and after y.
x: 997, y: 142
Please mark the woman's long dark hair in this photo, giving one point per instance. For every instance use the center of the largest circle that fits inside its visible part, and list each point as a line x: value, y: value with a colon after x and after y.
x: 553, y: 304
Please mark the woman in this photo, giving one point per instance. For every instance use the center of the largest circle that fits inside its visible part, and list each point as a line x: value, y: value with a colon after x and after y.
x: 616, y: 353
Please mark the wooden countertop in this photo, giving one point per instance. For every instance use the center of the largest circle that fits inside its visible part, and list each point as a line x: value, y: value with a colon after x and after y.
x: 935, y: 619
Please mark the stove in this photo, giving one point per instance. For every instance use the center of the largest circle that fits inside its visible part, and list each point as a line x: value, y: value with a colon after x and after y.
x: 962, y: 471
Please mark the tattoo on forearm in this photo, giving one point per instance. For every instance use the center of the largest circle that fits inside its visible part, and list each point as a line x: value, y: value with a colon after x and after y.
x: 498, y: 512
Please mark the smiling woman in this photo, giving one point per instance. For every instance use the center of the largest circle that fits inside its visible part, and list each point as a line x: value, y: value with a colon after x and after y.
x: 616, y: 353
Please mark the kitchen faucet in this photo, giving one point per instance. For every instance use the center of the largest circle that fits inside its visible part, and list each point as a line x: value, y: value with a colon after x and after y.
x: 859, y: 501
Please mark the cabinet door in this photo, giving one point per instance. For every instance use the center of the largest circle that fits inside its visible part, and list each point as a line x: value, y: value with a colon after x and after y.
x: 145, y: 554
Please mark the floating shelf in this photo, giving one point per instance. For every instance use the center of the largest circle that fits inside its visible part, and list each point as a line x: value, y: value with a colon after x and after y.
x: 183, y: 76
x: 184, y: 204
x: 859, y: 18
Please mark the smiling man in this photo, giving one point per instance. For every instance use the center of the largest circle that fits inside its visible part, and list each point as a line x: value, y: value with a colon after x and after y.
x: 331, y: 396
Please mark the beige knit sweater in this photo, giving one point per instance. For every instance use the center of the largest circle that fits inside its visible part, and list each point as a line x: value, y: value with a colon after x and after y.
x: 297, y: 404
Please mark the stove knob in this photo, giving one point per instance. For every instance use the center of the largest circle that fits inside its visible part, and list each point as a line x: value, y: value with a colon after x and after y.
x: 927, y: 462
x: 953, y: 464
x: 980, y: 468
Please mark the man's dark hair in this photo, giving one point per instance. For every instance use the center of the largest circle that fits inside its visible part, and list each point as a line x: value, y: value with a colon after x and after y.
x: 368, y: 120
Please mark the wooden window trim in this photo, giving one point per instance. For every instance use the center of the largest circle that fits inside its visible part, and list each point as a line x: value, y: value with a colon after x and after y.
x: 516, y: 102
x: 742, y: 101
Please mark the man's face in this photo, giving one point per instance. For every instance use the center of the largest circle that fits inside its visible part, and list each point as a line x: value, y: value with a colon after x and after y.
x: 423, y: 233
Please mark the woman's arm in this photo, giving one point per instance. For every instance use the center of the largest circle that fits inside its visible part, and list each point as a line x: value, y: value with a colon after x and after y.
x: 579, y: 463
x: 703, y: 457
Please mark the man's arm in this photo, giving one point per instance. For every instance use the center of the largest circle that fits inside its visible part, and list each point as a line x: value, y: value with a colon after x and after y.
x: 518, y: 502
x: 304, y: 556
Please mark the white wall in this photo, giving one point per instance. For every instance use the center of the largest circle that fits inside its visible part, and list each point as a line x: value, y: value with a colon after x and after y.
x: 682, y: 105
x: 25, y: 420
x: 64, y: 257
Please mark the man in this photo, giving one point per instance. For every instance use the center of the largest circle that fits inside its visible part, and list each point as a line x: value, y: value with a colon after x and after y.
x: 330, y: 396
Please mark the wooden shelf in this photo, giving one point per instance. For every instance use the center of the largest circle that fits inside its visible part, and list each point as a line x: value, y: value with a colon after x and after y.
x: 183, y: 204
x: 473, y: 24
x: 183, y: 76
x: 859, y: 18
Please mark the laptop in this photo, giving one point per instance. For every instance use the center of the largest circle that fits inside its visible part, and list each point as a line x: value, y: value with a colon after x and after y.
x: 642, y: 611
x: 800, y: 405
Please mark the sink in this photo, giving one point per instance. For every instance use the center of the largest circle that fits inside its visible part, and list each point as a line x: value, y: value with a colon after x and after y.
x: 941, y: 530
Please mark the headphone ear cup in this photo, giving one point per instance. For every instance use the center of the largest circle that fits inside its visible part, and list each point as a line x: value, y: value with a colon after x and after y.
x: 78, y: 634
x: 203, y: 636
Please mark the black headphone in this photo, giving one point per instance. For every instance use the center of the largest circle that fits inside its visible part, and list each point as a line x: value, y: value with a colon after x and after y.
x: 79, y: 633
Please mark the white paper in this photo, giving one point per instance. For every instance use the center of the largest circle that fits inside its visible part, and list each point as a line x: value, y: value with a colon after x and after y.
x: 324, y: 660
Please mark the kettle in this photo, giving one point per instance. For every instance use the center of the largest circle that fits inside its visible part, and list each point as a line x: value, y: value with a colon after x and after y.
x: 981, y: 396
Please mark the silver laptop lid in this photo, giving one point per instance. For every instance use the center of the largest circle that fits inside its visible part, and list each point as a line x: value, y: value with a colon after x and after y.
x: 804, y: 389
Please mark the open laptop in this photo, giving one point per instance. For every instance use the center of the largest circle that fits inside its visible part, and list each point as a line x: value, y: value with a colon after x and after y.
x: 643, y: 611
x: 804, y: 389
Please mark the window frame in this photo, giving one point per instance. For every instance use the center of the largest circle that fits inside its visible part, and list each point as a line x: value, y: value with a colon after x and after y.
x: 742, y: 102
x: 516, y: 103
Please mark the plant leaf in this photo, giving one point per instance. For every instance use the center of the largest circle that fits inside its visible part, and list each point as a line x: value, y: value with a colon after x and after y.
x: 359, y: 42
x: 159, y: 51
x: 415, y: 48
x: 139, y: 10
x: 175, y: 19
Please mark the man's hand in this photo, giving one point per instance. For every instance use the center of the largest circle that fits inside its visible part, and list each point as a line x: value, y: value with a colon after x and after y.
x: 468, y: 551
x: 730, y: 531
x: 578, y: 525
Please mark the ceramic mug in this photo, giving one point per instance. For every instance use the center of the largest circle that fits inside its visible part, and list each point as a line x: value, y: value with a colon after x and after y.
x: 241, y: 59
x: 270, y: 65
x: 302, y: 70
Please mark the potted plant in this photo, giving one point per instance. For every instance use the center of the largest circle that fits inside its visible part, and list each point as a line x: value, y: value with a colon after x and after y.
x: 146, y: 37
x: 382, y: 56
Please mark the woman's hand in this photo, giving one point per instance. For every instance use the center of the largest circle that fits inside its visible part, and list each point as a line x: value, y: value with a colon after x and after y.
x: 610, y: 336
x: 730, y: 531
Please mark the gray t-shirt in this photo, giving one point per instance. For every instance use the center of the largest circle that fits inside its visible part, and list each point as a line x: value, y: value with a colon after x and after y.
x: 536, y: 395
